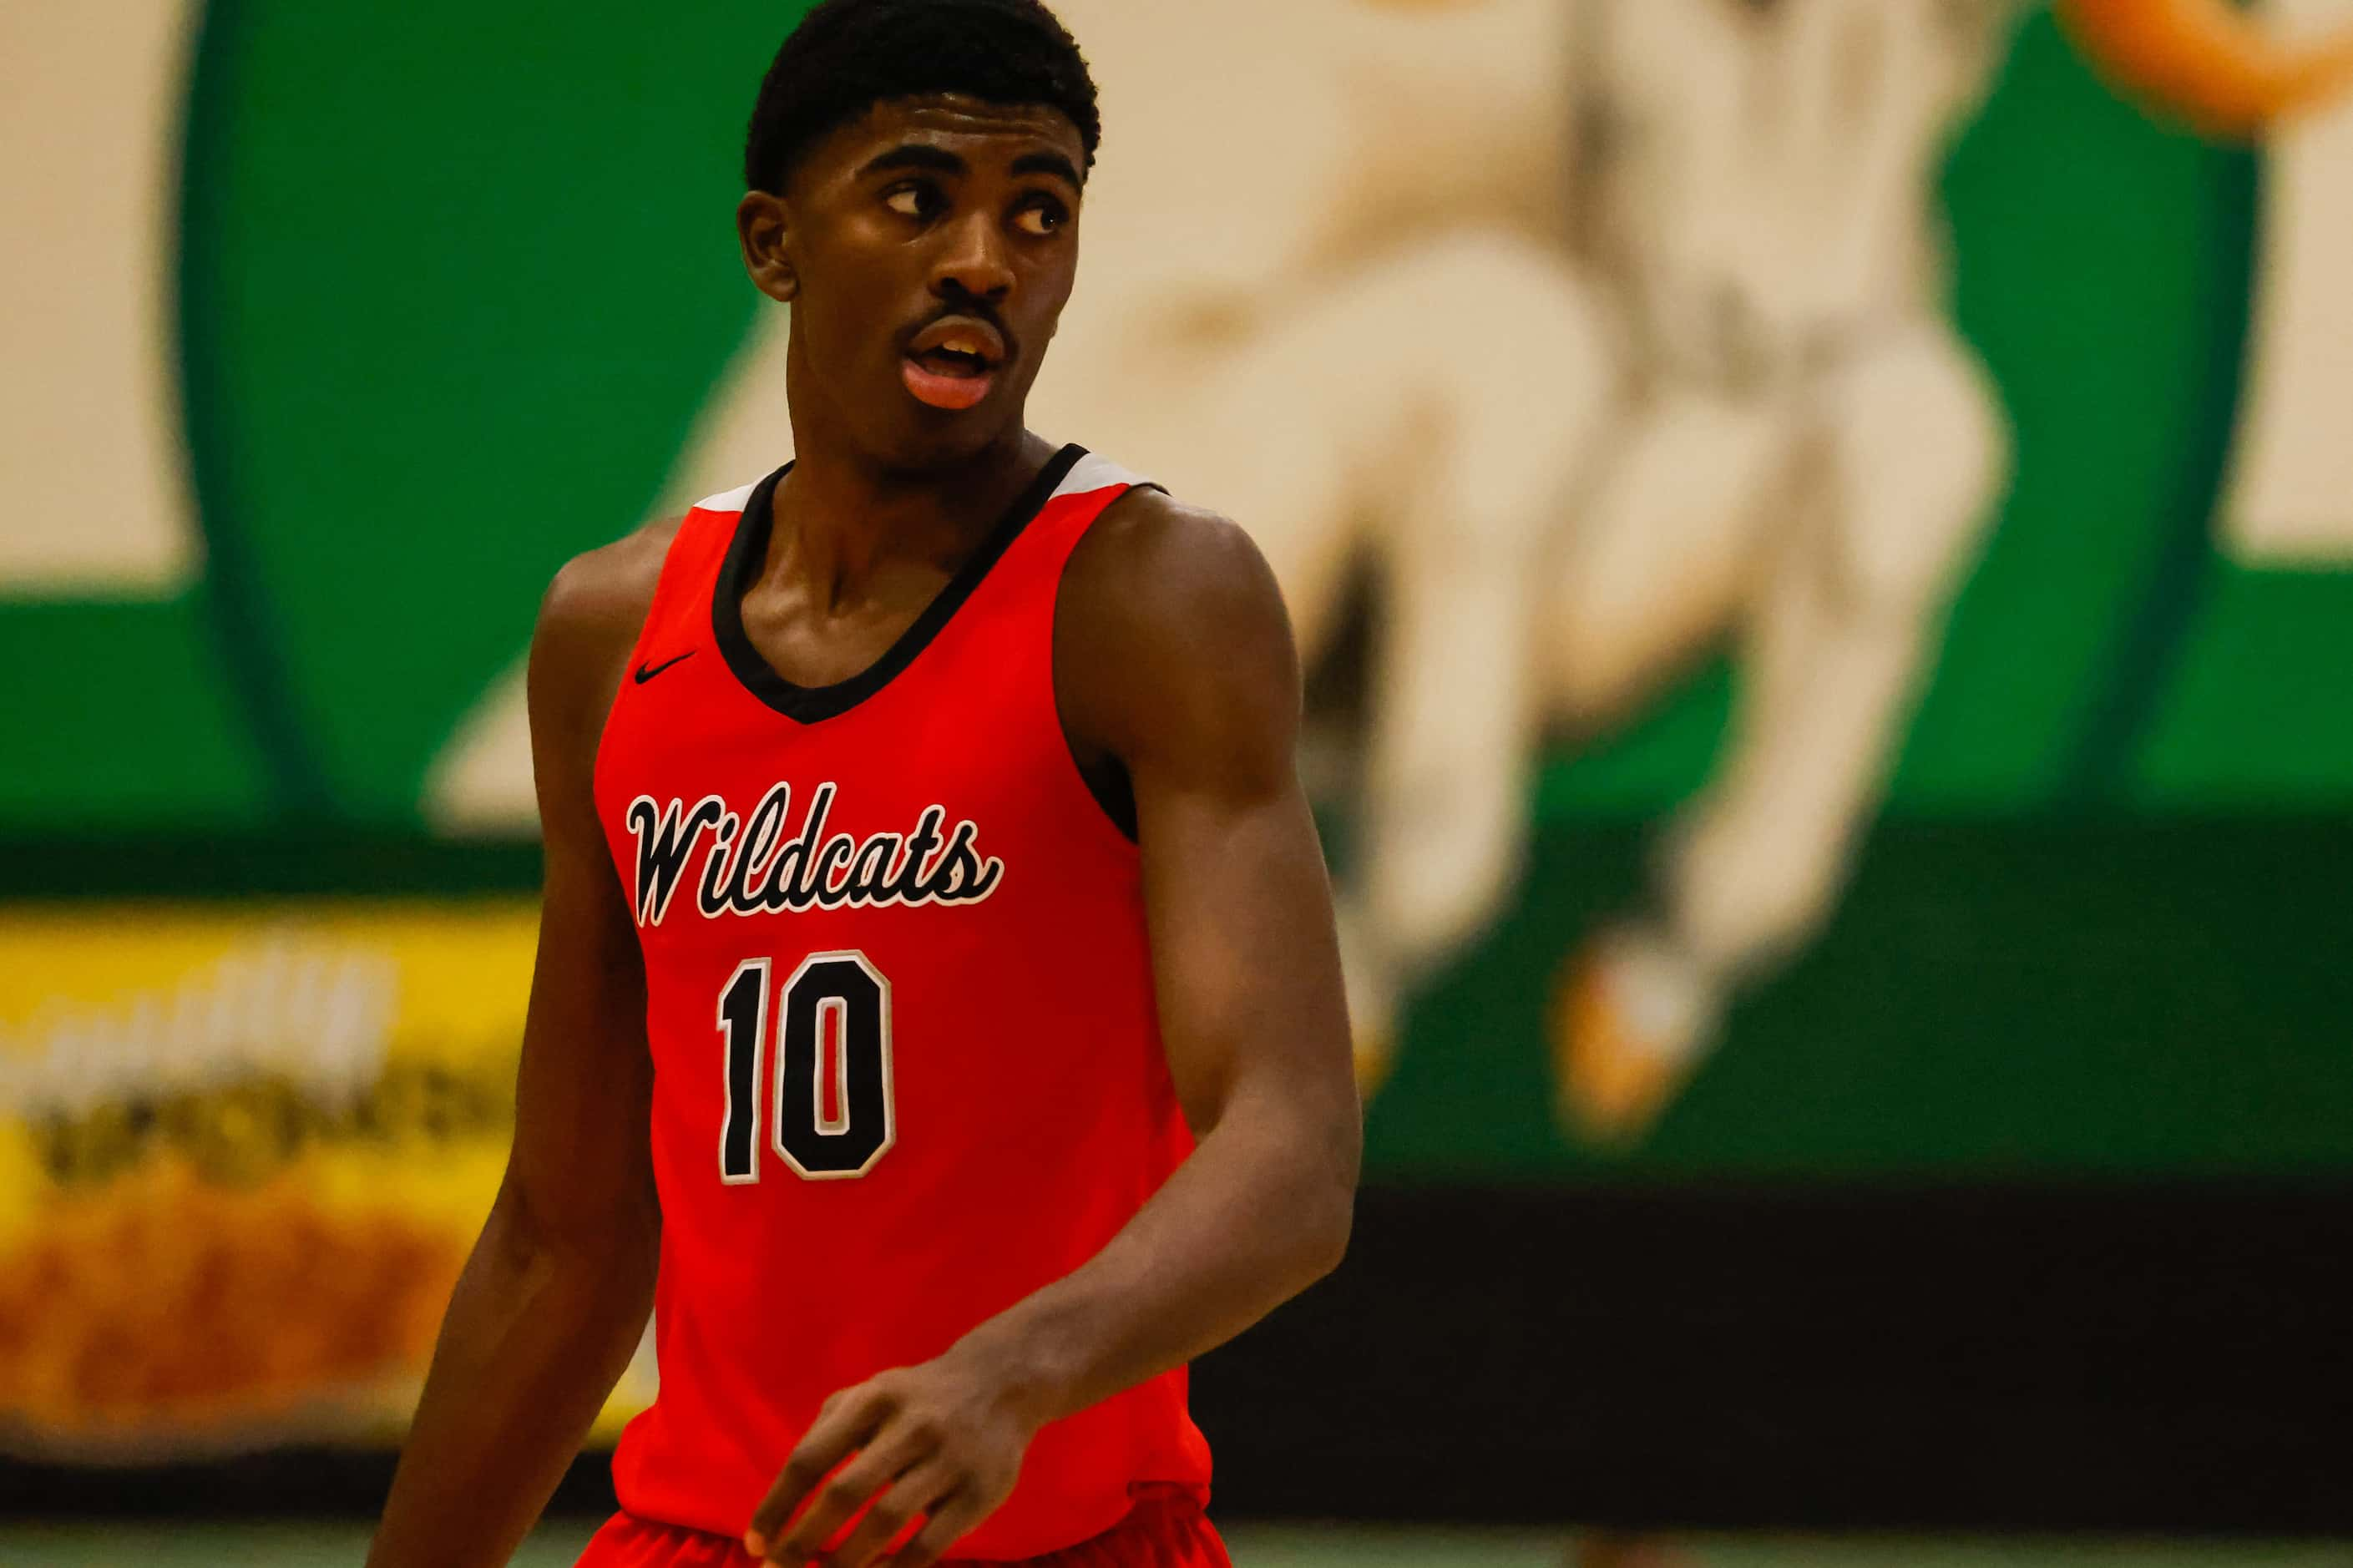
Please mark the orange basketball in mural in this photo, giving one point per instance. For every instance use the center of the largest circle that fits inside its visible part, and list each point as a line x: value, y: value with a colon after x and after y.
x: 2212, y: 65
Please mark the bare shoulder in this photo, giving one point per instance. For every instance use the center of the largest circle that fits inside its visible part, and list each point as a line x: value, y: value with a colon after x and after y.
x: 608, y: 588
x: 1171, y: 635
x: 1165, y: 567
x: 588, y: 622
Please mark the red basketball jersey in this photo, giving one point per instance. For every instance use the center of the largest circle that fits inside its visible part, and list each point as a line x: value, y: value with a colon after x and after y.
x: 906, y: 1065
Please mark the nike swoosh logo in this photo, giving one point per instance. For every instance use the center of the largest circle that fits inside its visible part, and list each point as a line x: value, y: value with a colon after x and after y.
x: 648, y: 671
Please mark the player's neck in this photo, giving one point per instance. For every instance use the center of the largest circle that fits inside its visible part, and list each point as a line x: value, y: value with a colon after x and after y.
x: 840, y: 515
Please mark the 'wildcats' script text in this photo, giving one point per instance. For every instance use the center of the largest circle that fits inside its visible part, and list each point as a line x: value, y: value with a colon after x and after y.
x: 751, y: 867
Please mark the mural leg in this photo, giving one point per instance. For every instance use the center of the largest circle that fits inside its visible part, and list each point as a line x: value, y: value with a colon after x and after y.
x: 1468, y: 506
x: 1652, y: 574
x: 1897, y: 480
x: 1651, y: 569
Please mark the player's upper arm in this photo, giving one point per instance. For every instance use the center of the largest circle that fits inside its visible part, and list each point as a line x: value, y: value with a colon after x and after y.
x: 581, y: 1168
x: 1180, y: 658
x: 588, y: 622
x: 1175, y: 655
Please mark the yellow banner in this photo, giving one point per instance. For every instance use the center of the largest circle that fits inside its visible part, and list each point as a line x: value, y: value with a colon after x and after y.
x: 244, y: 1151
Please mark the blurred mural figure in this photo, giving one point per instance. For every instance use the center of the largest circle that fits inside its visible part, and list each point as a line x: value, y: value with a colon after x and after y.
x: 91, y: 180
x: 1812, y: 452
x: 1808, y: 459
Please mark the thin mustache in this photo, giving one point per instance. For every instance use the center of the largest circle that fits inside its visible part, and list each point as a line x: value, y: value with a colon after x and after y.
x: 976, y: 310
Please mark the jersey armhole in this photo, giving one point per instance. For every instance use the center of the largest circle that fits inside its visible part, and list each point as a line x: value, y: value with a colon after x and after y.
x: 1108, y: 783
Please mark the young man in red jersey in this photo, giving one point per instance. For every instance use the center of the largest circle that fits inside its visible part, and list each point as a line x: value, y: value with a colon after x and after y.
x: 937, y: 1020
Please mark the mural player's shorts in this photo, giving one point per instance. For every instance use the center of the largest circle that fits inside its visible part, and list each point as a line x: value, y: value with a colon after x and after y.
x: 1165, y: 1529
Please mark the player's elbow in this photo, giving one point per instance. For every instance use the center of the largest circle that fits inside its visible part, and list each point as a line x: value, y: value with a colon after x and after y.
x: 1327, y: 1245
x: 616, y: 1243
x: 1324, y: 1210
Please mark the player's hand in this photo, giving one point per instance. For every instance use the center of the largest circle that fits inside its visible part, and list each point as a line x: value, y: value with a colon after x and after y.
x: 943, y: 1439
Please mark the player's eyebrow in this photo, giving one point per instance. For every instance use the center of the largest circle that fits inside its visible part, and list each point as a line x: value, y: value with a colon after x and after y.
x: 915, y: 155
x: 1052, y: 163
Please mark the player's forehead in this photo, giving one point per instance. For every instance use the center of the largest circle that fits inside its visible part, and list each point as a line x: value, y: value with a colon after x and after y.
x: 978, y: 133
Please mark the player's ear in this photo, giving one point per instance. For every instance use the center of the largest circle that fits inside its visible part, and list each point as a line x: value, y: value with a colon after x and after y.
x: 763, y: 227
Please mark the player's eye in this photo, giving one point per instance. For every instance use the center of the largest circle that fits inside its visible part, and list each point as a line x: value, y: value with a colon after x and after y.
x: 913, y: 200
x: 1041, y: 216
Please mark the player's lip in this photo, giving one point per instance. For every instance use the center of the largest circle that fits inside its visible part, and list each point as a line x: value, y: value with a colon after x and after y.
x: 952, y: 364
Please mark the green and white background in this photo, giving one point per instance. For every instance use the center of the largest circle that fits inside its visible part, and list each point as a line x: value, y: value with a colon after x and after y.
x: 332, y: 330
x: 335, y: 329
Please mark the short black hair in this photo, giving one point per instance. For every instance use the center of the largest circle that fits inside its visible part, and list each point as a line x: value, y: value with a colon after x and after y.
x: 847, y: 56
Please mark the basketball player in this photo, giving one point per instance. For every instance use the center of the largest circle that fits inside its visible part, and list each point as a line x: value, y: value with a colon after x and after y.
x: 937, y: 1019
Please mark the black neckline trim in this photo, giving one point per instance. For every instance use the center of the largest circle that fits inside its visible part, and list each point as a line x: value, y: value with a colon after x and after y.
x: 809, y: 704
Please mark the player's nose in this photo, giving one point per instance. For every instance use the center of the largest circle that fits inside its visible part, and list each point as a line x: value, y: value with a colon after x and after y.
x: 974, y: 259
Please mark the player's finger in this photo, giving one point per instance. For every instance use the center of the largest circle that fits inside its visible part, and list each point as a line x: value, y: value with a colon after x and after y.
x: 900, y: 1444
x: 849, y: 1424
x: 912, y: 1493
x: 952, y: 1517
x: 894, y: 1451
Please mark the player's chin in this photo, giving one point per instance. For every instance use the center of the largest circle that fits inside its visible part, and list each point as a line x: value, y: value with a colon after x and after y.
x: 928, y: 437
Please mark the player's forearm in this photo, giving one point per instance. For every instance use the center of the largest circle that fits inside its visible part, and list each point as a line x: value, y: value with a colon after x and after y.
x: 1260, y: 1212
x: 539, y: 1329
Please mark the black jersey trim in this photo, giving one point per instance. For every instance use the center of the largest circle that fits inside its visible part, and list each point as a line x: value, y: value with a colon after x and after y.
x: 810, y: 704
x: 1113, y: 787
x: 1107, y: 778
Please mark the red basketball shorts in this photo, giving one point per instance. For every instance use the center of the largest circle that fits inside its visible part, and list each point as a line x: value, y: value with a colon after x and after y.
x: 1165, y: 1529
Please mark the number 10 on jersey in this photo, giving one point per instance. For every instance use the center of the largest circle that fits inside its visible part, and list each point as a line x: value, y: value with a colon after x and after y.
x: 830, y: 1110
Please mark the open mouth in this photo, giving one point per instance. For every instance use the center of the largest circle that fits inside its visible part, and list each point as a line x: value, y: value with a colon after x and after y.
x: 953, y: 363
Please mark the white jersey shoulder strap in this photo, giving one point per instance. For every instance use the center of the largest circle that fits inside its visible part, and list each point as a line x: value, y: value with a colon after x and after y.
x: 731, y: 501
x: 1093, y: 472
